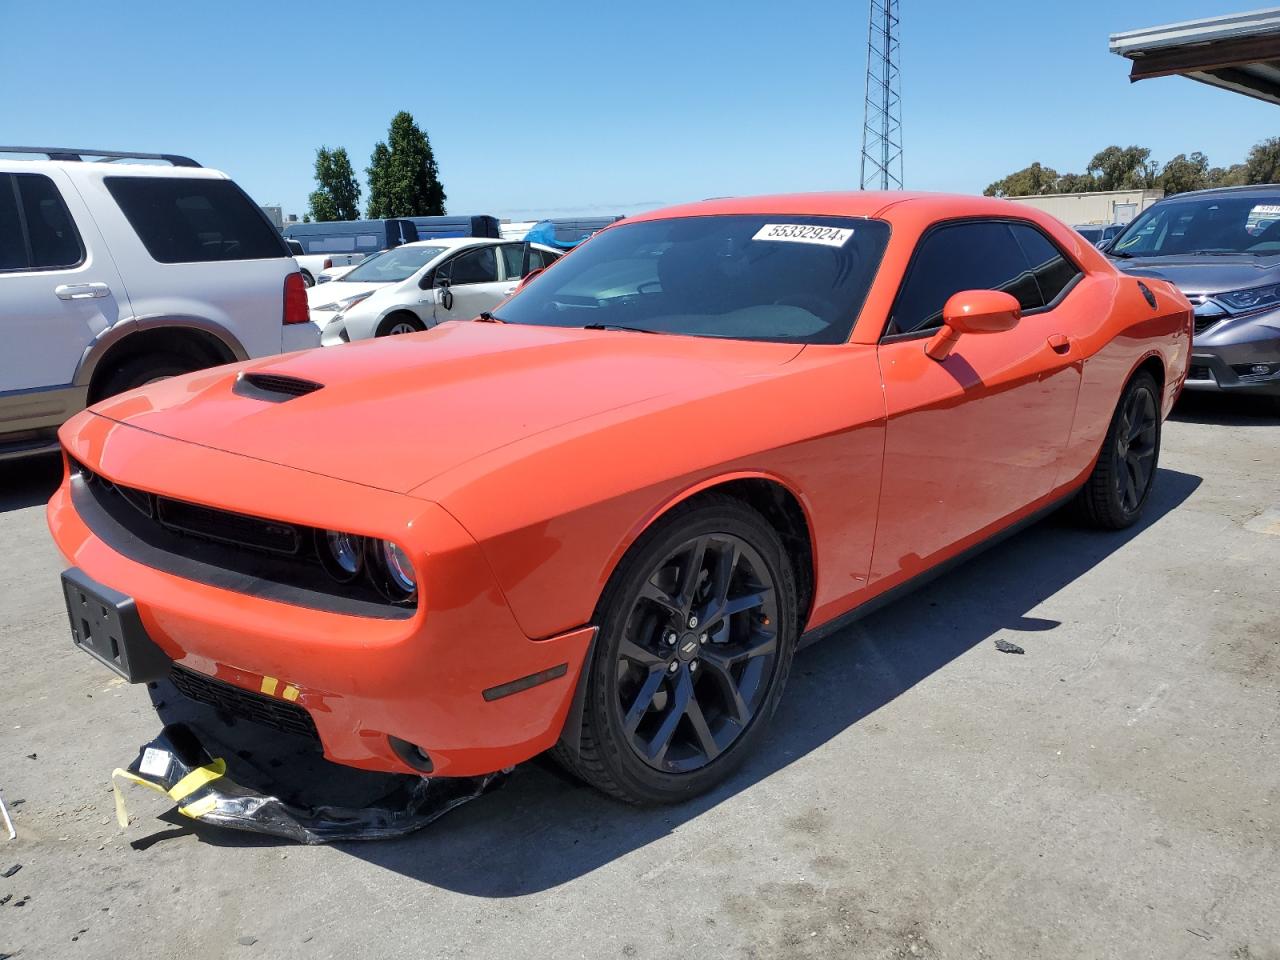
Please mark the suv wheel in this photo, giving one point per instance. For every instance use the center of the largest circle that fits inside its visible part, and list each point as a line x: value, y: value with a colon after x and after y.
x: 141, y: 370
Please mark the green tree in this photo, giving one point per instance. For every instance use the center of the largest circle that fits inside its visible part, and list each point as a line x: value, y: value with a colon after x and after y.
x: 378, y: 172
x: 1263, y: 162
x: 1076, y: 183
x: 1123, y: 168
x: 1025, y: 182
x: 337, y: 193
x: 1184, y: 173
x: 1232, y: 176
x: 404, y: 180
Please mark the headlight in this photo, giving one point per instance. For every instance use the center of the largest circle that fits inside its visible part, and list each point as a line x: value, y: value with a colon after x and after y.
x: 394, y: 575
x: 400, y: 567
x: 1253, y: 298
x: 342, y: 306
x: 341, y: 554
x: 381, y: 564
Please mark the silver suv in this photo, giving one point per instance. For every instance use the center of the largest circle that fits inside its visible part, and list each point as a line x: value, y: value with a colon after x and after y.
x: 114, y: 274
x: 1221, y: 248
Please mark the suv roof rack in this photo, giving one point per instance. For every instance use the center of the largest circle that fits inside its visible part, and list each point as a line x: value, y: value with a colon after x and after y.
x: 67, y: 153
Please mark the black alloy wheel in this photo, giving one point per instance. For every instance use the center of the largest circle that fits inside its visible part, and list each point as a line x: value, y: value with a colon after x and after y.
x: 1135, y: 448
x: 1120, y: 484
x: 697, y: 630
x: 698, y: 651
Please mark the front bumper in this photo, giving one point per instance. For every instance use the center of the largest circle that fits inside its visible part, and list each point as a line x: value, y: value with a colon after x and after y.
x: 1222, y: 355
x: 362, y: 681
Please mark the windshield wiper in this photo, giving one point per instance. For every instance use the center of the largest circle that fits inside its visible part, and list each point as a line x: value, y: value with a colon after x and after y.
x: 1121, y: 255
x: 617, y: 326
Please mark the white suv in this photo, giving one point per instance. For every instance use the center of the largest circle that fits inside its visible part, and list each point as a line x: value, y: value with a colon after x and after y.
x: 116, y: 274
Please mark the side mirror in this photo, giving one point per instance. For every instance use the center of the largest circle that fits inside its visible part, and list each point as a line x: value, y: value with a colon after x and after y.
x: 973, y: 311
x: 529, y: 276
x: 427, y: 281
x: 1105, y: 245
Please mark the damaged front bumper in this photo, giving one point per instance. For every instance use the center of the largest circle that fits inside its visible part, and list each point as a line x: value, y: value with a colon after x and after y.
x: 279, y: 789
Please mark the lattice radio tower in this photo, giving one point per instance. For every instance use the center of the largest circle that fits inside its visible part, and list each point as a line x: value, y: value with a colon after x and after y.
x: 882, y: 108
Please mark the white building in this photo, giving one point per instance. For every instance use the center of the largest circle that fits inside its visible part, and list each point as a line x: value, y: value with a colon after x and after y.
x: 1102, y: 206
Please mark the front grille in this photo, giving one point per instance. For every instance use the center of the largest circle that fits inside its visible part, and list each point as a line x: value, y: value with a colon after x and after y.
x: 1204, y: 323
x: 1199, y: 372
x: 267, y: 558
x: 224, y: 526
x: 254, y: 707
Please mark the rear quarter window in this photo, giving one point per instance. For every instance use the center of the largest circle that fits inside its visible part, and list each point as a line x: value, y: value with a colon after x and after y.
x: 182, y: 220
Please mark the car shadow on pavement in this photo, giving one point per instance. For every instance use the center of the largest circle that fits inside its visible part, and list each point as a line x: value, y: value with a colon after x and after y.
x: 30, y: 481
x: 544, y: 829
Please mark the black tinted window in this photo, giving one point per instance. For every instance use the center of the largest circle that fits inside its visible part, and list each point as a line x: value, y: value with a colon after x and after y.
x: 13, y: 246
x: 36, y: 230
x: 962, y: 256
x: 474, y: 266
x: 513, y: 260
x: 54, y: 241
x: 1052, y: 270
x: 183, y: 220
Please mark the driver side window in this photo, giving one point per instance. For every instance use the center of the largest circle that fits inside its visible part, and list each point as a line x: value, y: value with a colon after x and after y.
x: 970, y: 255
x: 473, y: 266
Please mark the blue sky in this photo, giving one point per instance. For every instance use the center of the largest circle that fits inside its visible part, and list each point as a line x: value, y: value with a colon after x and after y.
x: 603, y: 107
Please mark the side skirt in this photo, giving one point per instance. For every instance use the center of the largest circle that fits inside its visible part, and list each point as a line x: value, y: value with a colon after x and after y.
x: 822, y: 631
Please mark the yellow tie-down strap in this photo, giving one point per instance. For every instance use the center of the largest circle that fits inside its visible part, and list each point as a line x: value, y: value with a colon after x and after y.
x: 193, y: 781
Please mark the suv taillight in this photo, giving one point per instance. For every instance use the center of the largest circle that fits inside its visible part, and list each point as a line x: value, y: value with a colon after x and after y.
x: 295, y: 300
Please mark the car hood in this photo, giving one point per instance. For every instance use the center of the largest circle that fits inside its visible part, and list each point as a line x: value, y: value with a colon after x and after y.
x: 1206, y: 275
x: 396, y: 412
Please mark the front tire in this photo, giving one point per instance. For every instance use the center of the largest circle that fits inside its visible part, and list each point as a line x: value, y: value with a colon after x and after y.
x: 400, y: 323
x: 1117, y: 489
x: 697, y: 630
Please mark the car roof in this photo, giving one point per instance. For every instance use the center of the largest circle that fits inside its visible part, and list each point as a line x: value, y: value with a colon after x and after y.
x: 1260, y: 188
x: 450, y: 242
x: 861, y: 203
x: 456, y: 242
x: 109, y: 168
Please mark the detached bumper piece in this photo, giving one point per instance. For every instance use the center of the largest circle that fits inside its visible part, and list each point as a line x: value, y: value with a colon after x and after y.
x: 178, y: 765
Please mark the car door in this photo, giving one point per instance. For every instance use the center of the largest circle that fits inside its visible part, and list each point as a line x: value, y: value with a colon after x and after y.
x: 979, y: 436
x: 58, y: 287
x: 472, y: 284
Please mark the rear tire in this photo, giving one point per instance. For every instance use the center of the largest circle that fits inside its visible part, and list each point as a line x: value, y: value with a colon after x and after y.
x: 307, y: 279
x: 697, y: 628
x: 1117, y: 489
x: 399, y: 323
x: 143, y: 369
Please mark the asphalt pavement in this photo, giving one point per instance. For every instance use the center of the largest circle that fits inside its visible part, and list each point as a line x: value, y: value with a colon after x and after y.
x: 1112, y: 792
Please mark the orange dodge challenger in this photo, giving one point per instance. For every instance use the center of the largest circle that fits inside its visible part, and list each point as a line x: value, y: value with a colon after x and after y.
x: 602, y: 519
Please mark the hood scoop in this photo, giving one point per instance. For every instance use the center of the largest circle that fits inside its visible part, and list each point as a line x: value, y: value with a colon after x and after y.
x: 273, y: 387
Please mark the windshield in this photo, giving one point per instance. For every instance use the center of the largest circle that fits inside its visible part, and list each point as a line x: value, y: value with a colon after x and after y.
x: 796, y: 279
x: 1236, y: 223
x: 393, y: 265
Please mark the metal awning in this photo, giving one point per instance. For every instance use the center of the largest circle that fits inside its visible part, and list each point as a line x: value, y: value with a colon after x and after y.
x: 1238, y: 52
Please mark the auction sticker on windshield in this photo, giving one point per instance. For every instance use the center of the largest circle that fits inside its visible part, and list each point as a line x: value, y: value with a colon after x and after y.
x: 804, y: 233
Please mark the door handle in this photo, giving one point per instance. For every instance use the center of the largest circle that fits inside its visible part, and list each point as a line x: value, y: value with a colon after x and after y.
x: 81, y: 291
x: 1060, y: 342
